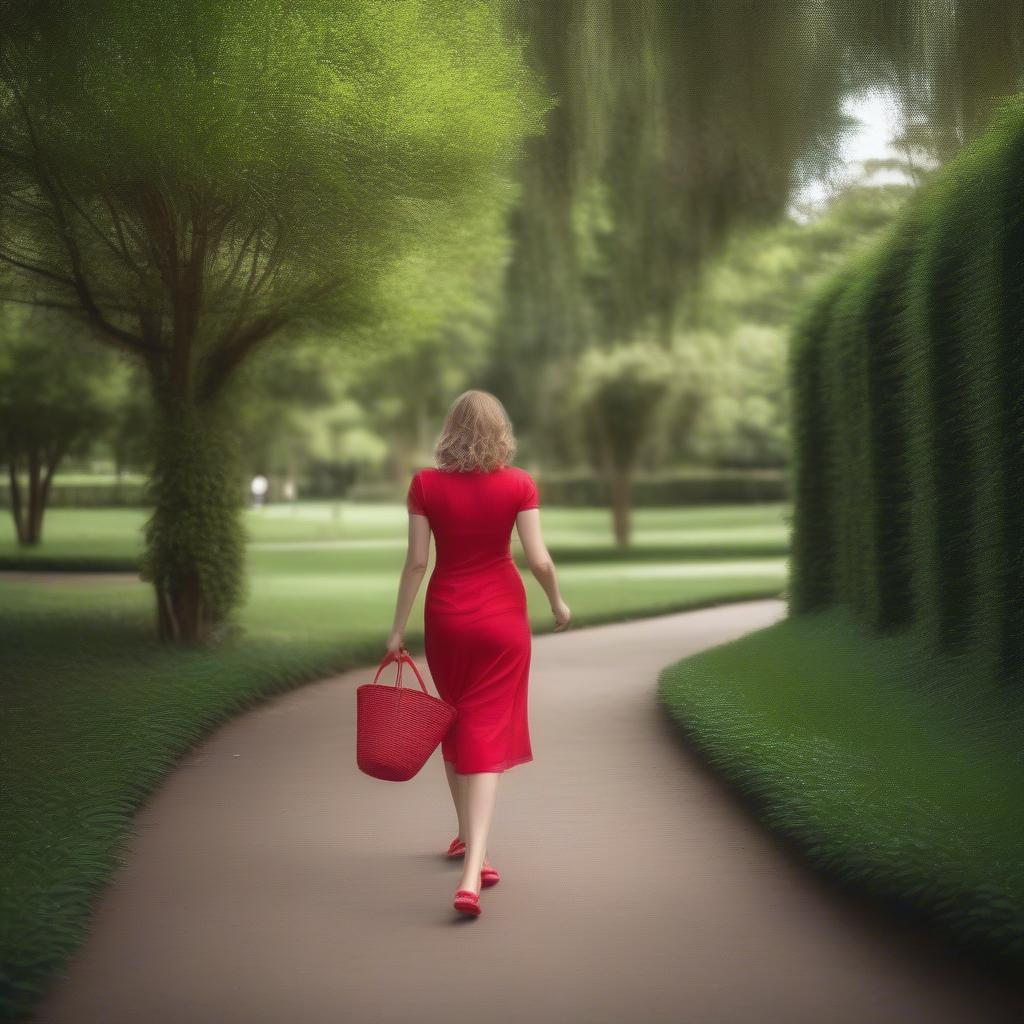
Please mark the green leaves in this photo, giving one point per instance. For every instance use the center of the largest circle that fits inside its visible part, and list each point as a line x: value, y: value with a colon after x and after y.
x: 914, y: 424
x: 307, y: 149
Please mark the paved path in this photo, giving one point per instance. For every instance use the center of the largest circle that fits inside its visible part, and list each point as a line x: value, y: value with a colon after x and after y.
x: 271, y: 881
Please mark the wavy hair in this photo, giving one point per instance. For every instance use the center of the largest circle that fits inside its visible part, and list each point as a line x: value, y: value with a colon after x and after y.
x: 476, y: 436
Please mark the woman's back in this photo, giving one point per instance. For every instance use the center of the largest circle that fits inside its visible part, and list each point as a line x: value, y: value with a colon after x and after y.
x: 471, y: 515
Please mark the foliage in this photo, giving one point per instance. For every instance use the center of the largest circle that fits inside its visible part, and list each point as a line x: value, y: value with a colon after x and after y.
x: 94, y: 713
x: 619, y: 391
x: 884, y: 563
x: 897, y: 775
x: 918, y: 425
x: 682, y: 126
x: 813, y: 567
x: 734, y: 330
x: 195, y: 541
x: 619, y: 394
x: 194, y: 179
x: 242, y: 168
x: 57, y: 395
x: 678, y: 489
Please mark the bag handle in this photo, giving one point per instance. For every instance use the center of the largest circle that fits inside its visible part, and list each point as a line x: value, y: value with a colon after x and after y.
x: 405, y: 656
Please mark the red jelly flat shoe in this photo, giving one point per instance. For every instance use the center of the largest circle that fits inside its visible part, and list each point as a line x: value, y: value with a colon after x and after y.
x: 489, y: 876
x: 468, y: 902
x: 457, y: 848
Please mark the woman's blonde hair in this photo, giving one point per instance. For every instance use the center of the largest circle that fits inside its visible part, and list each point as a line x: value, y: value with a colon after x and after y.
x: 477, y: 434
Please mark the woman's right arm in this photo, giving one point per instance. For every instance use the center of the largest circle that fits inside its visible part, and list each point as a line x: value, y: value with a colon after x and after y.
x: 541, y: 564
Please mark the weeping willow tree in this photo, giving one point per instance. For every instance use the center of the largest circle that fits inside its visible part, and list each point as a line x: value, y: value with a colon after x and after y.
x: 196, y: 180
x: 679, y: 124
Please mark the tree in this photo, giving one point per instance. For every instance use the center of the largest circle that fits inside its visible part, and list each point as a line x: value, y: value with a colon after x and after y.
x: 679, y: 125
x: 195, y: 179
x: 619, y: 393
x: 736, y: 330
x: 56, y: 397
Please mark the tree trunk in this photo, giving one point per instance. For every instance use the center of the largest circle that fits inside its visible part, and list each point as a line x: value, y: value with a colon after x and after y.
x: 620, y: 487
x: 29, y: 508
x: 17, y: 511
x: 40, y: 477
x: 32, y: 519
x: 194, y: 537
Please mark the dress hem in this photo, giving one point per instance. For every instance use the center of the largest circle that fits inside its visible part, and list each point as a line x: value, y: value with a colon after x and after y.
x: 504, y: 767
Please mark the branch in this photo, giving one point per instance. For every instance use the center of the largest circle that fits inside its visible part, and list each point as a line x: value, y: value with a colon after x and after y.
x: 16, y: 509
x: 102, y: 235
x: 49, y: 274
x: 229, y: 279
x: 71, y: 307
x: 14, y: 197
x: 226, y: 359
x: 14, y: 156
x: 104, y: 327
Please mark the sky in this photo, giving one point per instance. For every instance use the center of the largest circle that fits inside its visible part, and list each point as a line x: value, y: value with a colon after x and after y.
x: 871, y: 139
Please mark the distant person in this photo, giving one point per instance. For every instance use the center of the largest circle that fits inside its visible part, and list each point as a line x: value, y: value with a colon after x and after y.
x: 476, y: 628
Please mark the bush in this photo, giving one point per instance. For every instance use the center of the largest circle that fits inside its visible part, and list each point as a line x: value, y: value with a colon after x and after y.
x: 701, y: 487
x: 887, y: 555
x: 195, y: 540
x: 813, y: 569
x: 845, y: 392
x: 98, y: 495
x: 908, y: 378
x: 941, y: 453
x: 994, y: 313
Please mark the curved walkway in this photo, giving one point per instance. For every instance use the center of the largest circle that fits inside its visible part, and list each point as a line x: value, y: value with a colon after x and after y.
x: 271, y: 881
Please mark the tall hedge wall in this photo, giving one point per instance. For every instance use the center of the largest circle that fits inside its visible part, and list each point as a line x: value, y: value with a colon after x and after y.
x: 996, y: 335
x: 888, y: 559
x: 908, y: 377
x: 813, y: 563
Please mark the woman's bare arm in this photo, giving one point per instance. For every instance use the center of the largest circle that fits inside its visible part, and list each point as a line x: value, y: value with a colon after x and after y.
x: 416, y: 558
x: 541, y: 564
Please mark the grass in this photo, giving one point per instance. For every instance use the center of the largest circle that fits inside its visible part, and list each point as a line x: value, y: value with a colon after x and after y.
x: 96, y: 712
x: 98, y: 539
x: 899, y: 777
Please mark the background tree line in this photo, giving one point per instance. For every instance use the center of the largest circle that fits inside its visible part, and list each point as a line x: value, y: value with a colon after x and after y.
x: 378, y: 203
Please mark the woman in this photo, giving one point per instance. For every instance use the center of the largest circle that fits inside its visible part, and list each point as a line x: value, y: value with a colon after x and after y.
x: 476, y: 629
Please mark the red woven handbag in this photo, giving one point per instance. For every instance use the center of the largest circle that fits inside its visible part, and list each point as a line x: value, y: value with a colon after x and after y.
x: 398, y: 728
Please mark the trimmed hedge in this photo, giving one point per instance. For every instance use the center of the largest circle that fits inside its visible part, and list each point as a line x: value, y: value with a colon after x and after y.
x: 100, y: 495
x: 697, y: 487
x: 813, y: 569
x: 899, y: 780
x: 908, y: 429
x: 845, y: 392
x: 705, y: 487
x: 888, y: 558
x: 995, y: 326
x: 942, y: 453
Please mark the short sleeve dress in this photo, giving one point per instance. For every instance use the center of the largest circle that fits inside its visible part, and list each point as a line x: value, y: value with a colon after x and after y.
x: 475, y: 624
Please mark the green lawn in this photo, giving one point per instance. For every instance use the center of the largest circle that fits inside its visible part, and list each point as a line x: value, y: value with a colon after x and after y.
x: 346, y: 529
x: 898, y: 775
x: 95, y: 711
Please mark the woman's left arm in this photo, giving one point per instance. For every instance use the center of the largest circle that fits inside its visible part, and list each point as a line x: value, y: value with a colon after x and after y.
x: 412, y: 576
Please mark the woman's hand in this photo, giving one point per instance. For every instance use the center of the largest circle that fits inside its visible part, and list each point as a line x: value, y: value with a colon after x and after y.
x: 395, y: 643
x: 562, y: 615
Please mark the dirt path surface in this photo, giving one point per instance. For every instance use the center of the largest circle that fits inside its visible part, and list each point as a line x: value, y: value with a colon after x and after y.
x: 271, y: 881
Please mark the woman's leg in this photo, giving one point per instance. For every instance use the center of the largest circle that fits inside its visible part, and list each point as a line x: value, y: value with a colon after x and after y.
x: 481, y: 790
x: 455, y: 785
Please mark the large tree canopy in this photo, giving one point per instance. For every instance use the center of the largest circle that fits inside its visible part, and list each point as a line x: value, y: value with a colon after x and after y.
x: 193, y: 178
x: 679, y: 123
x: 196, y: 176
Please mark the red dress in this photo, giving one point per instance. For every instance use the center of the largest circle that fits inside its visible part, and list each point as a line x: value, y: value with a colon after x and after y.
x: 475, y: 624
